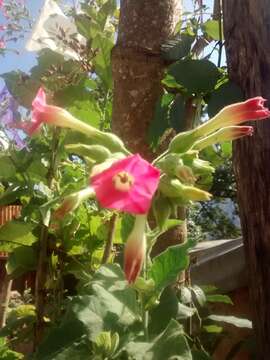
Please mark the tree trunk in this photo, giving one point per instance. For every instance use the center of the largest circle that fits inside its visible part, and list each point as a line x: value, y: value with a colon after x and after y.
x: 137, y: 73
x: 247, y: 34
x: 138, y: 67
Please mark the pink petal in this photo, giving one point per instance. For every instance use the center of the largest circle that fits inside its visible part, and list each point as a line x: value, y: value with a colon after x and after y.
x: 138, y: 199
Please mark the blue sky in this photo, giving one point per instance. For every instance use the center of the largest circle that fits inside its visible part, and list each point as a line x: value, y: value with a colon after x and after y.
x: 25, y: 60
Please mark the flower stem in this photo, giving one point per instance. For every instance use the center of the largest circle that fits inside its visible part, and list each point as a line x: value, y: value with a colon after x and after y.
x: 109, y: 242
x: 41, y: 274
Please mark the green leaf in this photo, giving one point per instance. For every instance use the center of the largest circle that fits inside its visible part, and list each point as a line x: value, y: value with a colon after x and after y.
x: 11, y: 195
x: 170, y: 344
x: 176, y: 49
x: 213, y: 329
x: 211, y: 28
x: 6, y: 353
x: 9, y: 170
x: 196, y: 76
x: 177, y: 113
x: 87, y: 111
x: 160, y: 121
x: 113, y: 302
x: 14, y: 234
x: 23, y: 259
x: 167, y: 265
x: 21, y: 86
x: 228, y: 93
x: 127, y: 223
x: 61, y: 341
x: 162, y: 211
x: 219, y: 298
x: 102, y: 61
x: 232, y: 320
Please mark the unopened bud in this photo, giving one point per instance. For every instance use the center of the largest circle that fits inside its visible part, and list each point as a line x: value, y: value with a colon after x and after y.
x: 228, y: 133
x: 174, y: 188
x: 72, y: 201
x: 98, y: 153
x: 184, y: 141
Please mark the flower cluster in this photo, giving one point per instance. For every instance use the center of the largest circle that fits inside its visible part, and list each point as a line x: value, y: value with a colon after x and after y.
x: 128, y: 183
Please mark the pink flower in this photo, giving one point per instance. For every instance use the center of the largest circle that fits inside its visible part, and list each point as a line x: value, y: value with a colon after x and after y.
x: 251, y: 109
x: 43, y: 113
x: 1, y: 3
x: 127, y: 185
x: 3, y: 27
x: 235, y: 114
x: 135, y: 249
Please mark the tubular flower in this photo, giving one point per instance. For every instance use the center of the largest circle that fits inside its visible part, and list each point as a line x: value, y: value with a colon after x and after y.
x: 43, y: 113
x: 135, y: 249
x: 54, y: 115
x: 127, y: 185
x: 232, y: 115
x: 235, y: 114
x: 228, y: 133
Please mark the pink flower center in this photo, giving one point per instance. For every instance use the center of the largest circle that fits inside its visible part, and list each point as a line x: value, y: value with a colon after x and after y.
x: 123, y: 181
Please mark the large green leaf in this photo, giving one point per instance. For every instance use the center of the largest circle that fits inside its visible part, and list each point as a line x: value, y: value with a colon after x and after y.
x: 14, y: 234
x: 211, y: 28
x: 21, y: 86
x: 170, y: 344
x: 87, y: 111
x: 21, y: 260
x: 112, y: 304
x: 11, y: 195
x: 219, y: 298
x: 176, y: 49
x: 160, y: 121
x: 102, y: 60
x: 177, y: 113
x: 196, y: 76
x: 228, y: 93
x: 62, y: 340
x: 8, y: 168
x: 168, y: 264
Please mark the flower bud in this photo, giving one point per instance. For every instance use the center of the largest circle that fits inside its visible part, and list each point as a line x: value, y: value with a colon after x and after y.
x: 96, y: 152
x: 202, y: 167
x: 174, y: 188
x: 184, y: 141
x: 185, y: 174
x: 228, y: 133
x: 135, y: 249
x: 72, y: 201
x: 169, y: 163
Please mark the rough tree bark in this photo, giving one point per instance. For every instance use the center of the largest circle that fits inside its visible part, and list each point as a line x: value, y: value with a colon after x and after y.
x: 247, y: 34
x: 138, y: 69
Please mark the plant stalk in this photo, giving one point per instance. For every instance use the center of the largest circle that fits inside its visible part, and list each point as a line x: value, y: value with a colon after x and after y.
x: 109, y: 242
